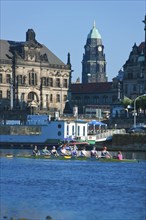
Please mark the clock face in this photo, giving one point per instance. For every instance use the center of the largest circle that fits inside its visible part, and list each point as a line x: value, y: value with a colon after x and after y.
x: 99, y: 48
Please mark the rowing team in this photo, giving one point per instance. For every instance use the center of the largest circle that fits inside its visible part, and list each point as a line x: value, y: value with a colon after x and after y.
x: 65, y: 150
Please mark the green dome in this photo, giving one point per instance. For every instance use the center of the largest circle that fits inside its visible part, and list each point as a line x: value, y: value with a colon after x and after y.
x: 94, y: 33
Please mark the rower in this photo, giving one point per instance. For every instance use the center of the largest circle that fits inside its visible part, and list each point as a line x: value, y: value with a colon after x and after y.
x: 105, y: 153
x: 36, y: 152
x: 74, y: 152
x: 54, y: 151
x: 94, y: 152
x: 63, y: 151
x: 45, y: 151
x: 83, y: 152
x: 120, y: 156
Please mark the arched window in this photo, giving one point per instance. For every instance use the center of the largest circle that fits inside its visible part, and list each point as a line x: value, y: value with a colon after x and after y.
x: 64, y: 98
x: 32, y: 96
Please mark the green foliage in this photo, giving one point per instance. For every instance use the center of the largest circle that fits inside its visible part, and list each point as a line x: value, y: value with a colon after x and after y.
x: 141, y: 103
x: 126, y: 101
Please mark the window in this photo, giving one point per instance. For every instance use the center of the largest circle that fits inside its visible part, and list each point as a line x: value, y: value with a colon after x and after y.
x: 95, y: 99
x: 114, y: 98
x: 19, y: 80
x: 57, y: 82
x: 84, y: 130
x: 65, y: 83
x: 8, y: 78
x: 87, y: 99
x: 126, y: 89
x: 78, y: 130
x: 59, y: 126
x: 1, y: 78
x: 1, y: 94
x: 51, y: 97
x: 78, y: 100
x: 64, y: 98
x: 32, y: 79
x: 51, y: 82
x: 93, y: 68
x: 44, y: 81
x: 105, y: 98
x: 57, y: 98
x: 31, y: 96
x: 67, y: 130
x: 141, y: 89
x: 22, y: 97
x: 8, y: 94
x: 134, y: 88
x: 73, y: 129
x: 47, y: 97
x: 130, y: 76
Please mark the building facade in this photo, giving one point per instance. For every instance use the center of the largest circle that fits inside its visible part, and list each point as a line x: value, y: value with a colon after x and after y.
x: 31, y: 76
x: 94, y: 63
x: 133, y: 75
x: 91, y: 97
x: 134, y: 78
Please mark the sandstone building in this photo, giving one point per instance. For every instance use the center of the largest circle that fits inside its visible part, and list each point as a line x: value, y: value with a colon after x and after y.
x: 31, y: 76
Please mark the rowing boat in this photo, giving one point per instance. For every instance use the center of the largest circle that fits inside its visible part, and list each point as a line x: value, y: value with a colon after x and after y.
x: 68, y: 157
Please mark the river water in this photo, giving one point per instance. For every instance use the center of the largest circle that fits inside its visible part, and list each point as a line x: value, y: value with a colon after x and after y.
x: 72, y: 190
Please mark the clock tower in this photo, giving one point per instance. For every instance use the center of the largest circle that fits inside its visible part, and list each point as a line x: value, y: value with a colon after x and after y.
x: 94, y: 63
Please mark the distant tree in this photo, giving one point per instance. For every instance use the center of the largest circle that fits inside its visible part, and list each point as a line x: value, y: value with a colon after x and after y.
x: 126, y: 101
x: 141, y: 103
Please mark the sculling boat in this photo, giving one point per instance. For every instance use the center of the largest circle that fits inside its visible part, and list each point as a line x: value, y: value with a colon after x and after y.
x: 68, y: 157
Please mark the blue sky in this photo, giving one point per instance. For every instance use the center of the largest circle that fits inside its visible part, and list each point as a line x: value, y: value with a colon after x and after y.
x: 63, y: 27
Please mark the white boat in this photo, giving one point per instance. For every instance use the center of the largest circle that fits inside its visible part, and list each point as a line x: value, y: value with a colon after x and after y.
x: 40, y: 130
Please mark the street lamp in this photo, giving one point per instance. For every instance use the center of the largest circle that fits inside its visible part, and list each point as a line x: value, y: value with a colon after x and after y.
x: 11, y: 93
x: 135, y: 108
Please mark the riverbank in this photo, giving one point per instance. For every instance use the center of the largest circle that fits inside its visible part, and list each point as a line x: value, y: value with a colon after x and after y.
x: 119, y: 142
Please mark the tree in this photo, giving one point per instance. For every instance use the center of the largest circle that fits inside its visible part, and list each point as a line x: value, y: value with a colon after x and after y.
x: 126, y: 101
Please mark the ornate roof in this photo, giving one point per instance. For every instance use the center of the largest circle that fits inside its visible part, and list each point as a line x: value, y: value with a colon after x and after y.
x: 94, y: 33
x: 6, y: 49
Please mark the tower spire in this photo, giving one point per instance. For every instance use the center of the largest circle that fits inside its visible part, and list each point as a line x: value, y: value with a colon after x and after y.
x: 94, y: 24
